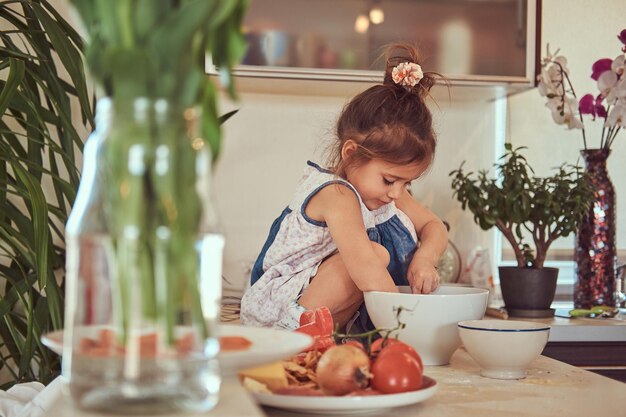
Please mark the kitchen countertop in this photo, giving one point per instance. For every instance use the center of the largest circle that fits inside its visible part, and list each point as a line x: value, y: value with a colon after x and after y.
x: 583, y: 329
x: 552, y: 388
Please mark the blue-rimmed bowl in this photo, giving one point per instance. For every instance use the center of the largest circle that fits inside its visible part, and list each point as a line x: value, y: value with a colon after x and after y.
x: 503, y: 349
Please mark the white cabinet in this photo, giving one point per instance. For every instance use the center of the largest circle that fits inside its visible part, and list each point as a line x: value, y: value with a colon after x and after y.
x: 471, y: 42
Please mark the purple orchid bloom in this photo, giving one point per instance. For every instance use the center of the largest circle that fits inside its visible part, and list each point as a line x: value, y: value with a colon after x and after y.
x: 586, y: 105
x: 622, y: 36
x: 593, y: 106
x: 600, y: 109
x: 600, y: 66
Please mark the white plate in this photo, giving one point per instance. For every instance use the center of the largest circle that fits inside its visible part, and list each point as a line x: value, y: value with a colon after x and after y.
x: 348, y: 405
x: 268, y: 345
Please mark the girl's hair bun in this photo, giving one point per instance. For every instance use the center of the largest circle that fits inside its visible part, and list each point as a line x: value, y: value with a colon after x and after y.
x: 389, y: 121
x: 403, y: 70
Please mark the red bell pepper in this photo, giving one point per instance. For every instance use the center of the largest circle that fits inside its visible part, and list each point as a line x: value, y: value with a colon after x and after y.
x: 319, y: 325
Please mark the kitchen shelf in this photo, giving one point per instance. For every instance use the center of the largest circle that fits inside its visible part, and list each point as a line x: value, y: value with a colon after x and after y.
x: 454, y: 91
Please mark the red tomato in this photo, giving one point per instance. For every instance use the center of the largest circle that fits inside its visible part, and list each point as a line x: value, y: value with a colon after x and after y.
x: 396, y: 371
x: 355, y: 343
x: 394, y: 345
x: 378, y: 344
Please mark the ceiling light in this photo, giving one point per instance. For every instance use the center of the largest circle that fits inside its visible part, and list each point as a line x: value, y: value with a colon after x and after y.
x: 377, y: 16
x: 362, y: 23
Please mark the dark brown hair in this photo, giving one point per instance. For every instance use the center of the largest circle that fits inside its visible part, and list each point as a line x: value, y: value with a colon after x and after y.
x: 388, y: 121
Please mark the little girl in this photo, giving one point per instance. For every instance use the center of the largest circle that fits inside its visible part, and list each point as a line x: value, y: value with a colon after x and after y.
x: 354, y: 227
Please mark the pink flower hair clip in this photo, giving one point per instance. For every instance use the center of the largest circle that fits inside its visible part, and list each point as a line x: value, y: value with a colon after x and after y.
x: 407, y: 74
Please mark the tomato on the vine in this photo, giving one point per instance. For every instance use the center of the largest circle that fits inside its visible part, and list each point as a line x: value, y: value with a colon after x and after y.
x: 377, y: 345
x: 396, y: 371
x: 394, y: 345
x: 355, y: 343
x: 396, y: 366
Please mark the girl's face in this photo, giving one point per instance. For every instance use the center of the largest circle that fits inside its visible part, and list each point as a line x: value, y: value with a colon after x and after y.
x: 379, y: 182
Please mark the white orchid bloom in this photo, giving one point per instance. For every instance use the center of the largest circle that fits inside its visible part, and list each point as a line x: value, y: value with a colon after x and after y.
x: 617, y: 95
x: 617, y: 116
x: 549, y: 56
x: 571, y: 113
x: 553, y: 77
x: 554, y: 104
x: 609, y: 104
x: 618, y: 64
x: 606, y: 81
x: 562, y: 61
x: 568, y: 115
x: 549, y: 89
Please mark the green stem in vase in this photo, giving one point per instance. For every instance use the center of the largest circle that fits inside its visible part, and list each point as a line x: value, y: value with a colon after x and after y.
x: 164, y: 291
x: 174, y: 177
x: 611, y: 136
x: 166, y: 213
x: 129, y: 213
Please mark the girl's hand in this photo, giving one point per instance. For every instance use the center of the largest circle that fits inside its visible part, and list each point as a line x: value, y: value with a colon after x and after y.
x: 423, y: 276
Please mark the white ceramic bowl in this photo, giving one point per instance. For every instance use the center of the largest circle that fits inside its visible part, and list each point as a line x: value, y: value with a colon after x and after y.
x: 431, y: 319
x: 504, y: 348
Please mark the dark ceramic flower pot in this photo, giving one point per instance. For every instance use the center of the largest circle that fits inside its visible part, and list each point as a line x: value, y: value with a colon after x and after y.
x: 528, y: 292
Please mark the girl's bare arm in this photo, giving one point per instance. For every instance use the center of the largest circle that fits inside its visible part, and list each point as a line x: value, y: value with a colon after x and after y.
x: 339, y: 207
x: 433, y: 237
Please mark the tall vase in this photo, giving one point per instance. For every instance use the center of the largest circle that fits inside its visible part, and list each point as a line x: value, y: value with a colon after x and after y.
x: 143, y: 265
x: 595, y: 241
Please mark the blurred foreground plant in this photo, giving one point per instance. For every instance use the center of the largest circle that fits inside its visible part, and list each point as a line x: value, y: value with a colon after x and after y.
x: 148, y: 59
x: 39, y: 146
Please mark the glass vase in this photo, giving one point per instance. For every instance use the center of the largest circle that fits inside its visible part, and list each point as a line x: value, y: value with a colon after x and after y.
x: 143, y: 265
x: 595, y: 252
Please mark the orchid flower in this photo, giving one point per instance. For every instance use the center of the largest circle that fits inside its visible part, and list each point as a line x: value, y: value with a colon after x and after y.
x: 609, y: 104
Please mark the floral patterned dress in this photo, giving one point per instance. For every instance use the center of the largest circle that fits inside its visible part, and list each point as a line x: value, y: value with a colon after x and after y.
x: 297, y: 245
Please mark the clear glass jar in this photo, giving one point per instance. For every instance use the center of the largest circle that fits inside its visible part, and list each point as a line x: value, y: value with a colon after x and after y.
x: 143, y: 265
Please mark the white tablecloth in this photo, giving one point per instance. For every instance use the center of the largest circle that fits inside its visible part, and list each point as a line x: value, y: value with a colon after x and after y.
x: 54, y: 402
x: 13, y: 401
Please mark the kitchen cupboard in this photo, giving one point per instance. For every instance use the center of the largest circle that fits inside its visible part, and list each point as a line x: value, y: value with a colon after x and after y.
x: 597, y: 345
x: 472, y: 43
x: 604, y: 358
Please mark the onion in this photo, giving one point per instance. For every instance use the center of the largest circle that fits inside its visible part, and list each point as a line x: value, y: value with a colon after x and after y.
x: 343, y: 369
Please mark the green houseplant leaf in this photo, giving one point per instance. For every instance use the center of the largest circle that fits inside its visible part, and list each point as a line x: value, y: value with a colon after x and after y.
x: 38, y: 178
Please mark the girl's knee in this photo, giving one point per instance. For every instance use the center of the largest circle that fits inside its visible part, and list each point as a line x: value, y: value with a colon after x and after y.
x: 381, y: 252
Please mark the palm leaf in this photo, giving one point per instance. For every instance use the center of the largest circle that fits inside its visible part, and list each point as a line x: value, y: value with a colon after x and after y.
x: 38, y: 145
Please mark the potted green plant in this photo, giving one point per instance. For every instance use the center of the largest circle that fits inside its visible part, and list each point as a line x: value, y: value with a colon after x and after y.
x: 523, y: 206
x: 42, y: 86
